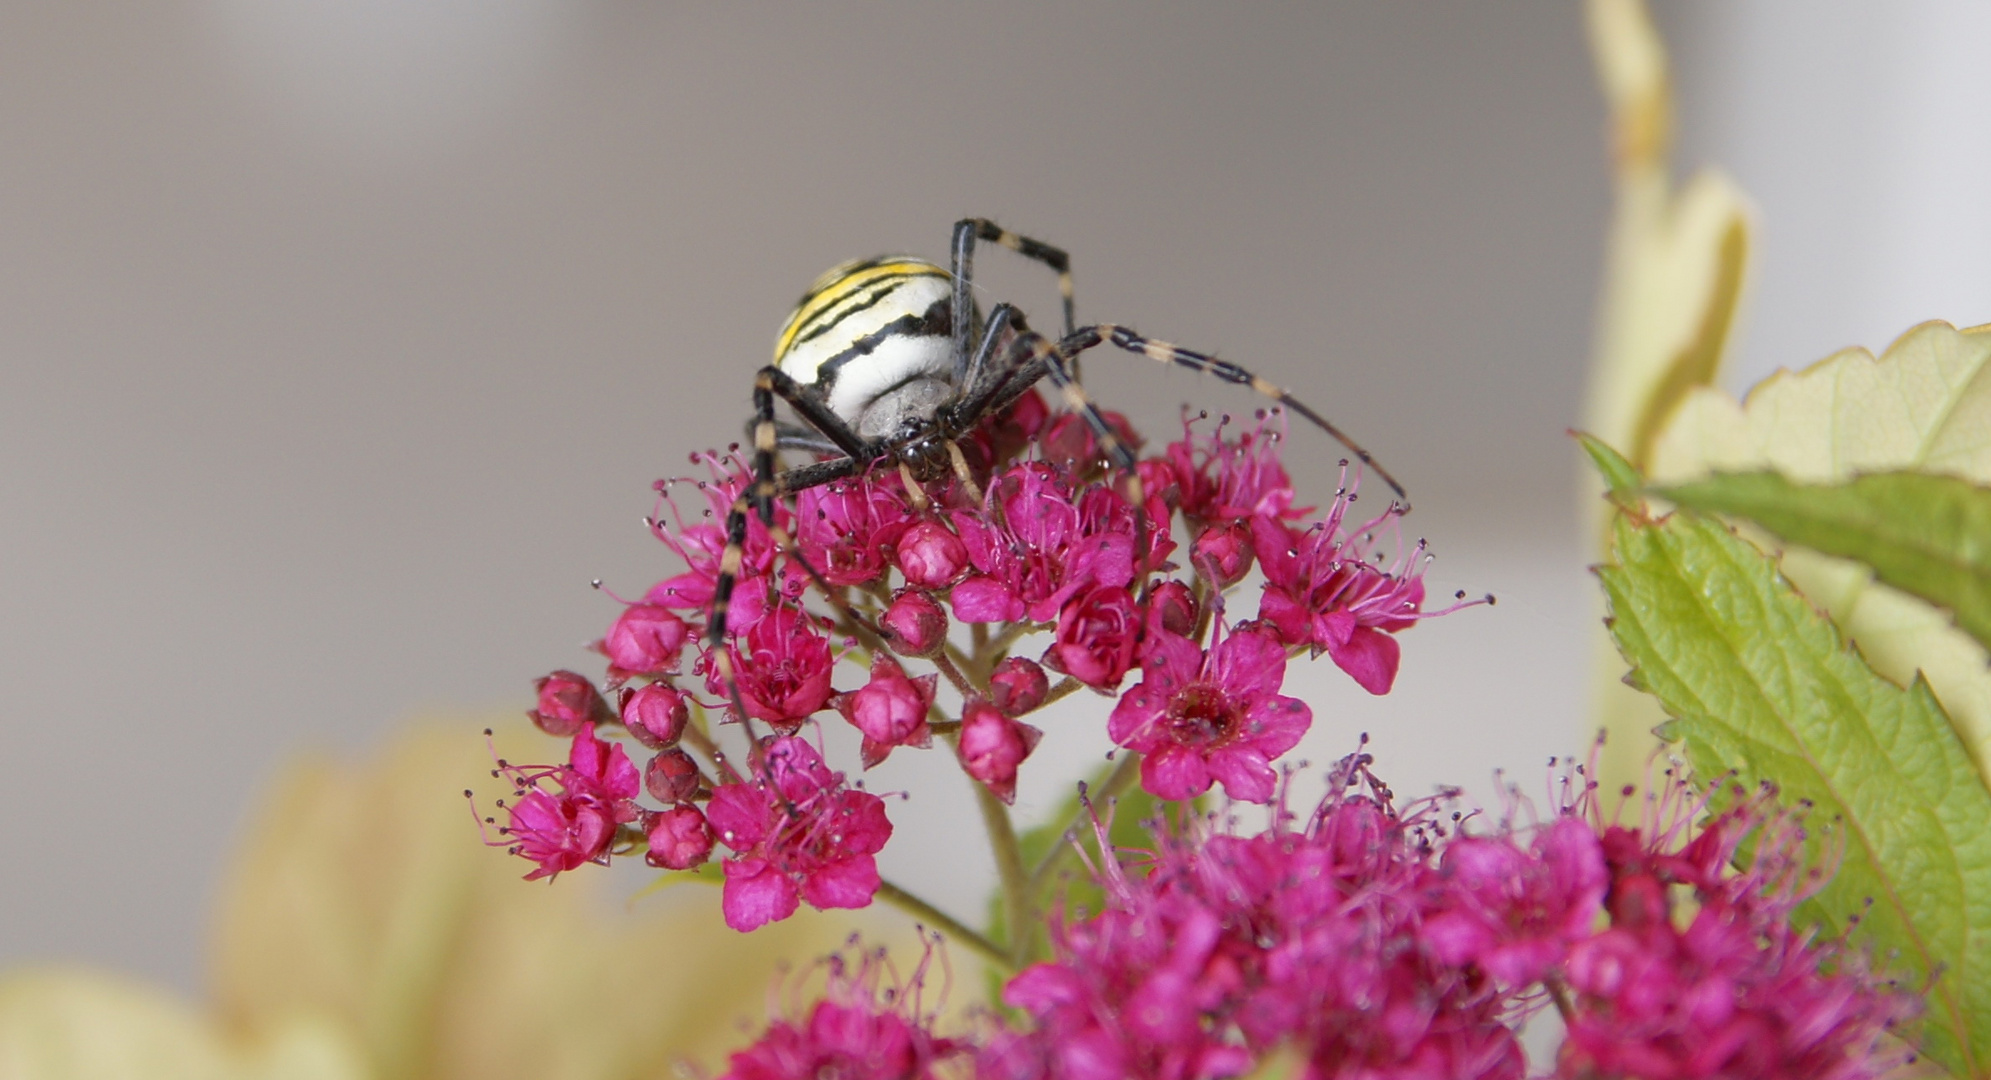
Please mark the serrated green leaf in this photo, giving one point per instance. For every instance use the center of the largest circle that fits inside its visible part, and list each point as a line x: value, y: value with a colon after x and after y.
x: 1925, y: 534
x: 1619, y: 475
x: 1924, y: 404
x: 1760, y: 683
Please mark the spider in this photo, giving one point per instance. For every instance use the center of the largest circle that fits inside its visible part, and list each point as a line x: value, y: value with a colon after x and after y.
x: 888, y: 360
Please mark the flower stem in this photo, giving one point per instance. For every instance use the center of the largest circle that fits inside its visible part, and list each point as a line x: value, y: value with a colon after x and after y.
x: 945, y: 923
x: 1123, y: 774
x: 1014, y: 877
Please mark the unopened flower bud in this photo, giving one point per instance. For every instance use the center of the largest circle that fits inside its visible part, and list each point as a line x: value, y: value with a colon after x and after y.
x: 890, y: 709
x: 680, y: 838
x: 1099, y: 631
x: 1172, y: 607
x: 1225, y: 552
x: 566, y: 701
x: 915, y: 624
x: 645, y: 640
x: 671, y: 777
x: 1018, y: 685
x: 656, y: 714
x: 931, y: 556
x: 993, y: 745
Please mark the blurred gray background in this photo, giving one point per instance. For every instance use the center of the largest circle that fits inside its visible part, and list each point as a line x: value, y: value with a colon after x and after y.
x: 341, y: 342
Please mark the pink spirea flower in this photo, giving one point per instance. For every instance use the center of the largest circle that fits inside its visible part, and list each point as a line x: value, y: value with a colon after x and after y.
x: 680, y: 838
x: 914, y: 624
x: 1099, y: 633
x: 1222, y: 482
x: 890, y: 710
x: 930, y: 555
x: 797, y: 833
x: 782, y: 666
x: 655, y: 714
x: 1379, y: 943
x: 566, y: 701
x: 700, y: 541
x: 857, y: 1030
x: 847, y: 529
x: 1018, y: 685
x: 993, y: 746
x: 646, y: 639
x: 574, y: 822
x: 1038, y: 540
x: 1210, y: 717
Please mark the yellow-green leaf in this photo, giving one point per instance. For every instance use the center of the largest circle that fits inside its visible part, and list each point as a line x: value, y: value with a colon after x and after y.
x: 1925, y: 404
x: 1925, y: 534
x: 1760, y: 683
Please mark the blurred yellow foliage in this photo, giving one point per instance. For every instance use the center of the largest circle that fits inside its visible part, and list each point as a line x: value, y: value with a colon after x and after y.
x: 1675, y: 269
x: 365, y: 934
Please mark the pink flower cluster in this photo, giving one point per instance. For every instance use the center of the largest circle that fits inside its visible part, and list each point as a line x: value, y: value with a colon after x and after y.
x: 1123, y: 576
x: 859, y: 1029
x: 1381, y: 943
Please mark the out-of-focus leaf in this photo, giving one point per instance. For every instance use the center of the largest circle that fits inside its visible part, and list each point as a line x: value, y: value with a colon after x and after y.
x: 1760, y: 683
x: 363, y: 894
x: 1923, y: 534
x: 73, y: 1024
x: 1925, y: 404
x: 1675, y: 268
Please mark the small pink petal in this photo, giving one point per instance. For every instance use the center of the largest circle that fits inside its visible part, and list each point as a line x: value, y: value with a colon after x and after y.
x: 756, y: 894
x: 1370, y: 657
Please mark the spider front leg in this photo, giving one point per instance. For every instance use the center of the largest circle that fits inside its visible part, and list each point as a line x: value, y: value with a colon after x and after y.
x: 1163, y: 352
x: 966, y: 232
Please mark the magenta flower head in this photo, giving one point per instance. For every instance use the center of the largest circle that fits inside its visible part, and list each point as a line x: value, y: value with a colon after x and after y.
x: 656, y: 714
x: 1215, y: 717
x: 576, y: 821
x: 847, y: 529
x: 1222, y: 482
x: 797, y: 833
x: 858, y: 1030
x: 930, y: 555
x: 1018, y: 685
x: 1222, y: 553
x: 993, y: 746
x: 680, y: 839
x: 782, y: 667
x: 1099, y: 633
x: 701, y: 544
x: 915, y: 624
x: 566, y: 701
x: 646, y: 639
x: 1516, y: 913
x: 890, y: 709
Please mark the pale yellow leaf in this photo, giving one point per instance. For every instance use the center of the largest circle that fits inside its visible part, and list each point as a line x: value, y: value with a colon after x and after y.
x: 1675, y: 270
x: 363, y: 892
x: 76, y: 1024
x: 1924, y: 404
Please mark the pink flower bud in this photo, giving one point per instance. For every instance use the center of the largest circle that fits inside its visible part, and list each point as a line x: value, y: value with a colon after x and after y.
x: 656, y: 714
x: 890, y: 709
x: 993, y: 745
x: 566, y: 701
x: 1018, y: 686
x: 931, y: 556
x: 671, y: 777
x: 645, y: 640
x: 1098, y: 633
x: 680, y: 839
x: 1172, y: 607
x: 915, y: 624
x: 1223, y: 551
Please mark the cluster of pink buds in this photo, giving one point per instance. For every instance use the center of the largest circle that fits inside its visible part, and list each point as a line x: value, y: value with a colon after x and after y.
x: 910, y: 613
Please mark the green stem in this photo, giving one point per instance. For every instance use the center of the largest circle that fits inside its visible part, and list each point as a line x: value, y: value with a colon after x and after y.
x: 945, y: 923
x: 1123, y: 774
x: 1015, y: 879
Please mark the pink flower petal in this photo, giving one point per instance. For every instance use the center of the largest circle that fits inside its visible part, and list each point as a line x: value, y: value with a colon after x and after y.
x: 849, y: 883
x: 756, y: 894
x: 1370, y: 657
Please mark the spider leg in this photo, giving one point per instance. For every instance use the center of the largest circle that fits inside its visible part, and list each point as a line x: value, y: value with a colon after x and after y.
x: 827, y: 426
x: 789, y: 436
x: 1163, y: 352
x: 966, y: 232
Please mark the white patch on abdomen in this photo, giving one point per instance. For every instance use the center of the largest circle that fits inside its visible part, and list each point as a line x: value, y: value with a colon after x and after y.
x: 896, y: 359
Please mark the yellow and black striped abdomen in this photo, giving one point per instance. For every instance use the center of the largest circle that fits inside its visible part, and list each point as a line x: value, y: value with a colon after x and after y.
x: 868, y: 326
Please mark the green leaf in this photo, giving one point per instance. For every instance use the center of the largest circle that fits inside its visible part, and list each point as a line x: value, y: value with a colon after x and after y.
x: 1760, y: 683
x: 1924, y: 404
x: 1924, y: 534
x: 1620, y: 477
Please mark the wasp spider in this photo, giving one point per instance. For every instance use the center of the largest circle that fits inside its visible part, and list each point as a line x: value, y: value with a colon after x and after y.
x: 886, y: 361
